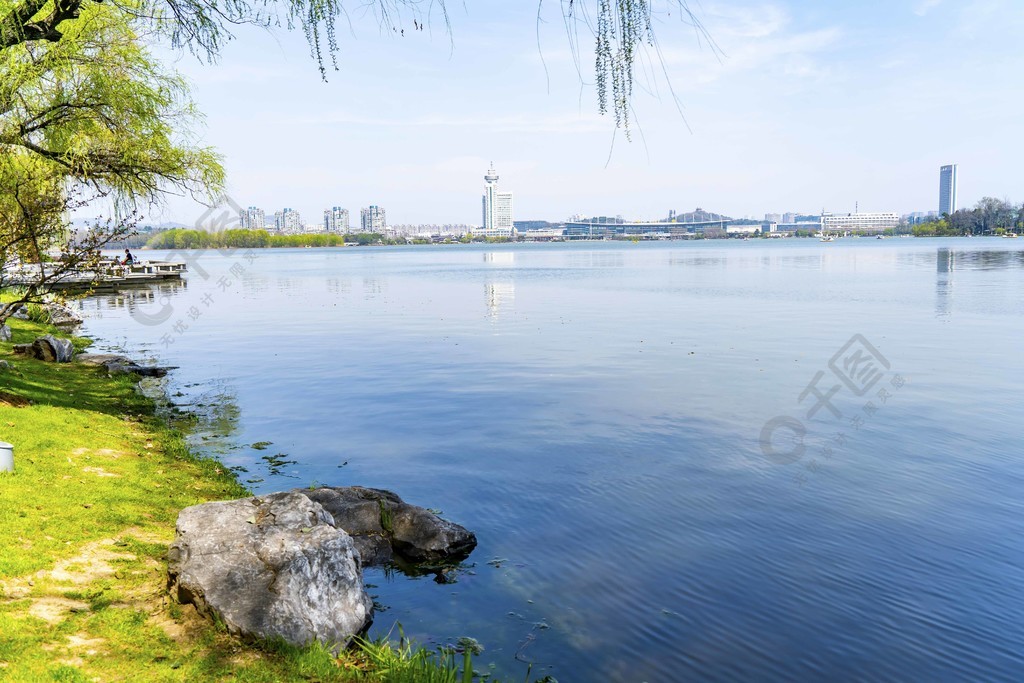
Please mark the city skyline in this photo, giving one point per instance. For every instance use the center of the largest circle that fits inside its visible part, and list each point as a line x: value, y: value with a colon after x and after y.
x: 806, y: 107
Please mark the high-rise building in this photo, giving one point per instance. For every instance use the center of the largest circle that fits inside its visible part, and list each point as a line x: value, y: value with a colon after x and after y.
x: 252, y: 219
x: 497, y: 218
x: 288, y: 221
x: 336, y: 219
x: 373, y: 219
x: 947, y: 189
x: 772, y: 218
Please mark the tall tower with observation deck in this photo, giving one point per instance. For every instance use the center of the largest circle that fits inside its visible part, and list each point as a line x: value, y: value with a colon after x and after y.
x: 497, y: 218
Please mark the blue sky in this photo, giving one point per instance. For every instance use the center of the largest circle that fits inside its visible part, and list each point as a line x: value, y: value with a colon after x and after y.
x: 810, y: 105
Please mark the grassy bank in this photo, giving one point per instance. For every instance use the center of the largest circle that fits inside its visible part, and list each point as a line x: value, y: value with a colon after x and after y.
x: 85, y: 521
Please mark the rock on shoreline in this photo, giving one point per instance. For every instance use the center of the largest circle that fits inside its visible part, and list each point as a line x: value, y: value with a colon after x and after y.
x: 48, y: 348
x: 289, y: 564
x: 122, y: 365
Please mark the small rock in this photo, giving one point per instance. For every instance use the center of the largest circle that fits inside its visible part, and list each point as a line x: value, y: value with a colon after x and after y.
x: 5, y: 332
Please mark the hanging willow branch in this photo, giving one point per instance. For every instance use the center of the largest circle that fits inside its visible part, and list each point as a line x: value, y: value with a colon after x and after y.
x: 622, y: 29
x: 622, y: 25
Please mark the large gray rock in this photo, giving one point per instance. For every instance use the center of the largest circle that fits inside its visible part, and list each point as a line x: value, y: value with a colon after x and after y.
x: 385, y: 528
x: 270, y: 566
x: 5, y: 332
x: 54, y: 350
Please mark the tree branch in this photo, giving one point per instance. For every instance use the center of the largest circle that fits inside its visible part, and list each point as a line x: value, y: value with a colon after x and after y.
x: 17, y: 27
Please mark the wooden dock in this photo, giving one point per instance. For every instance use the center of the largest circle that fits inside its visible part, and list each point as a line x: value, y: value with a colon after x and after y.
x: 109, y: 275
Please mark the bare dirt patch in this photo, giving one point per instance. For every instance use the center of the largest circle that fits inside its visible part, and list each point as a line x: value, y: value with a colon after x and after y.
x: 91, y: 564
x: 54, y: 610
x: 99, y: 472
x: 83, y: 642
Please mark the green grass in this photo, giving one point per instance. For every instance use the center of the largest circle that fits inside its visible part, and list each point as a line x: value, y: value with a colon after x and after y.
x: 85, y: 520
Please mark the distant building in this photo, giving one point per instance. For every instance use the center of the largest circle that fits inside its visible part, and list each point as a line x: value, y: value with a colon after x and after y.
x: 497, y: 209
x: 683, y: 225
x: 252, y: 219
x: 947, y: 189
x: 373, y: 219
x: 859, y: 222
x: 523, y: 226
x: 773, y: 218
x: 918, y: 217
x: 745, y: 229
x: 788, y: 217
x: 288, y: 221
x: 336, y: 219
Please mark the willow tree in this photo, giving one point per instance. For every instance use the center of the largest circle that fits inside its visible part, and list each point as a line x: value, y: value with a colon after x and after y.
x: 621, y: 31
x: 91, y: 115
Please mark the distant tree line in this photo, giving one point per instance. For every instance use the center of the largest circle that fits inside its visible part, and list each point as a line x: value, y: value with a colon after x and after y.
x: 989, y: 216
x: 241, y: 239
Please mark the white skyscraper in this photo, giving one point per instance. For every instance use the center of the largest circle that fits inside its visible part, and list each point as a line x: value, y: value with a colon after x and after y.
x: 497, y: 219
x: 947, y: 189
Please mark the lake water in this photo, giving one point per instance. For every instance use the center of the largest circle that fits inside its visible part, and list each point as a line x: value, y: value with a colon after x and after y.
x: 597, y: 414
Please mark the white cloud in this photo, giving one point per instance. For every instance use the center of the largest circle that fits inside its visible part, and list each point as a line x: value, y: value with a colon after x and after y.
x: 925, y: 6
x: 758, y: 38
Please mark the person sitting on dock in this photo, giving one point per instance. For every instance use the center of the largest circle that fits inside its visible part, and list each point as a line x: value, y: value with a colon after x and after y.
x: 128, y: 258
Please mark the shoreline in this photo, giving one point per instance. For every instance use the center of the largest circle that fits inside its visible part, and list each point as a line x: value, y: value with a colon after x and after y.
x: 332, y: 240
x: 86, y: 517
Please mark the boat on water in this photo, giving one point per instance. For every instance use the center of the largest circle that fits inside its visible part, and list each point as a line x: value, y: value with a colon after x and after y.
x: 1009, y: 235
x: 827, y: 238
x: 880, y: 237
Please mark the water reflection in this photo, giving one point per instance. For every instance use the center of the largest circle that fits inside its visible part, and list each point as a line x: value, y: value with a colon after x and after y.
x: 498, y: 295
x: 143, y: 298
x: 987, y: 260
x: 596, y: 259
x: 372, y: 287
x: 337, y: 286
x: 944, y: 260
x: 501, y: 258
x: 288, y: 285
